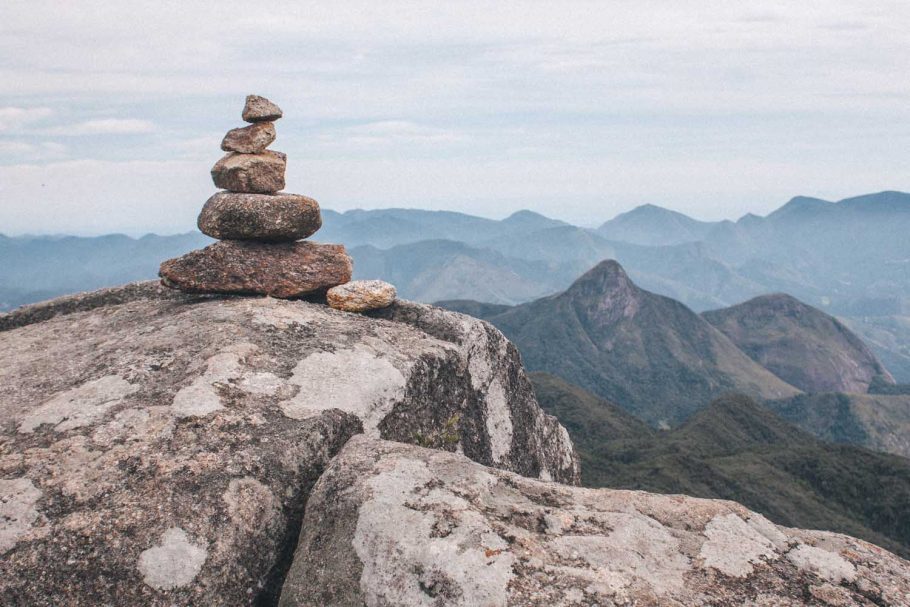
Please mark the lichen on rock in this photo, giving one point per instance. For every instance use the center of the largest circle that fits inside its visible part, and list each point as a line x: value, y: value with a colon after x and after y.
x: 395, y: 524
x: 164, y: 451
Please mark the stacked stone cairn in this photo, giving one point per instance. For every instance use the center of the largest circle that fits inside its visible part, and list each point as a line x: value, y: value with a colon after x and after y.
x: 261, y: 230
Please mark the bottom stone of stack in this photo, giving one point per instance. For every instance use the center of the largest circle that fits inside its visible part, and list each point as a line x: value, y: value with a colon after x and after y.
x: 285, y: 270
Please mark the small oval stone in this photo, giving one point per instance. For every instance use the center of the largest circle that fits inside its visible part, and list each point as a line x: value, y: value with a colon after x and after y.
x: 260, y: 109
x: 249, y: 139
x: 263, y: 217
x: 361, y: 295
x: 261, y: 173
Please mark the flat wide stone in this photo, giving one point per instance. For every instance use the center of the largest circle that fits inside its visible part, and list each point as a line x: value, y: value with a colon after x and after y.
x: 259, y: 109
x: 251, y: 139
x: 251, y: 173
x: 361, y: 295
x: 263, y: 217
x: 285, y: 270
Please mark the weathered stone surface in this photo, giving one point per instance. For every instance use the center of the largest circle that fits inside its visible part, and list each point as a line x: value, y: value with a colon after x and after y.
x: 265, y: 217
x: 259, y: 109
x: 249, y: 139
x: 253, y: 173
x: 394, y: 524
x: 361, y: 295
x: 287, y: 269
x: 518, y: 435
x: 157, y: 448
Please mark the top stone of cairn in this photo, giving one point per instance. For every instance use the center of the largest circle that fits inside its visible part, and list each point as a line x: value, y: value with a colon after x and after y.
x: 260, y: 109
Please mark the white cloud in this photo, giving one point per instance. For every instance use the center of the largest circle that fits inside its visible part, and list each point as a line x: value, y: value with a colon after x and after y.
x: 17, y: 117
x: 716, y: 107
x: 92, y: 197
x: 25, y: 151
x: 104, y: 126
x: 391, y: 133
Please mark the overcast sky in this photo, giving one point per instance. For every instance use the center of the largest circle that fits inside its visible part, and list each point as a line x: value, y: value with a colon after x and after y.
x: 111, y: 113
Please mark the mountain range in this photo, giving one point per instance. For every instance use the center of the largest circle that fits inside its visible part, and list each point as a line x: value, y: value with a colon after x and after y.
x: 850, y: 258
x: 663, y: 363
x: 736, y: 449
x: 650, y: 354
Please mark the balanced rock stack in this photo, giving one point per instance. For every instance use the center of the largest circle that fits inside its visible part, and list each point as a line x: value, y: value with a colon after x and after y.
x: 260, y: 229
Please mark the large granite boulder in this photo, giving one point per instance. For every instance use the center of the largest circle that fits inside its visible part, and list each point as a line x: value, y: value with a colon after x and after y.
x: 394, y: 524
x: 284, y: 269
x: 157, y: 448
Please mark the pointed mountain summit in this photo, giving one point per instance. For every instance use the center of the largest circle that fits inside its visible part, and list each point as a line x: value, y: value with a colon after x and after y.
x: 649, y: 354
x: 800, y: 344
x: 526, y: 219
x: 604, y: 295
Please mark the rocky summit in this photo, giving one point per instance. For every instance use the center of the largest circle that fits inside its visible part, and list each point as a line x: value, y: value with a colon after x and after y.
x: 203, y: 450
x: 261, y: 229
x: 162, y: 452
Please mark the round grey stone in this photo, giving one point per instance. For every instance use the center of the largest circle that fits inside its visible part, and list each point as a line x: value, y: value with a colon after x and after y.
x: 263, y: 217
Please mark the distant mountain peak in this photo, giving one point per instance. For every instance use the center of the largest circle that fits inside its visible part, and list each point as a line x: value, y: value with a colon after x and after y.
x: 606, y: 281
x: 802, y: 345
x: 803, y: 207
x: 800, y: 206
x: 650, y: 208
x: 647, y: 353
x: 605, y: 294
x: 531, y: 219
x: 524, y: 214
